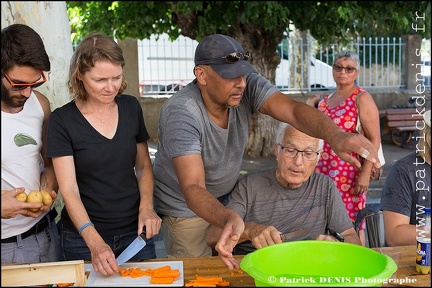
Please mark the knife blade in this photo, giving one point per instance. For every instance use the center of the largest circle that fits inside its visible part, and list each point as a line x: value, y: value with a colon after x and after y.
x: 287, y: 236
x: 133, y: 248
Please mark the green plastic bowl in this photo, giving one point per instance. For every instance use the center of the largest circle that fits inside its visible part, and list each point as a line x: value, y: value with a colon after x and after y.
x: 316, y: 263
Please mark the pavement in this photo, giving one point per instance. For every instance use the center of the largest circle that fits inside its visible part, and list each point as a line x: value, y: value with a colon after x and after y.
x: 391, y: 151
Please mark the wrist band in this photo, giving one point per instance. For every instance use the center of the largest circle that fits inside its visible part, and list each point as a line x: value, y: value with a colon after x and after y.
x: 84, y: 226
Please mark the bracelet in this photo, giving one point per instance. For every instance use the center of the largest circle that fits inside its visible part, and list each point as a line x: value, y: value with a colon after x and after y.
x: 84, y: 226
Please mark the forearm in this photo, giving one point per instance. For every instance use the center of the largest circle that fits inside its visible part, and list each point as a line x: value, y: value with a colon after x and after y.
x: 146, y: 187
x: 206, y: 206
x: 286, y: 109
x: 48, y: 180
x: 401, y: 235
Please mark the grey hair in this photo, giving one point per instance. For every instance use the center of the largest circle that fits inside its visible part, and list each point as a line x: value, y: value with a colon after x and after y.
x: 350, y: 55
x: 283, y: 127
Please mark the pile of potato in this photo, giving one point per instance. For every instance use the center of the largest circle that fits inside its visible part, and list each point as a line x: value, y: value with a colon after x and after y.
x: 34, y: 196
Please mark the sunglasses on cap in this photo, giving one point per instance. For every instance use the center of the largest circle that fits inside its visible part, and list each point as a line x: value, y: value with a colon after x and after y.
x: 236, y: 56
x: 22, y: 86
x: 348, y: 69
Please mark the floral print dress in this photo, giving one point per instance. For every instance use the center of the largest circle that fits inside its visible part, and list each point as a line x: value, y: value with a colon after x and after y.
x: 343, y: 173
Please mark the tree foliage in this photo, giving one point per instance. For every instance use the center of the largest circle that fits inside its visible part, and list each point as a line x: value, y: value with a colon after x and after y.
x: 327, y: 21
x: 258, y: 25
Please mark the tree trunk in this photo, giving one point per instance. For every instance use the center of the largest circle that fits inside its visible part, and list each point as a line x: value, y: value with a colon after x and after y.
x: 262, y: 128
x: 262, y: 135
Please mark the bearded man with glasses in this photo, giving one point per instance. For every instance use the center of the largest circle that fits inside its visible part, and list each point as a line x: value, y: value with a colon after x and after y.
x: 290, y: 197
x: 203, y: 130
x: 28, y: 236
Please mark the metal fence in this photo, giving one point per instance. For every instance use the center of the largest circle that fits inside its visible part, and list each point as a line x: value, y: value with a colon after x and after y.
x: 166, y: 66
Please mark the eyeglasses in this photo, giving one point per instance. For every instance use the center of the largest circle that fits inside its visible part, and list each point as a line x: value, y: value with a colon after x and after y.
x: 236, y: 56
x: 22, y: 86
x: 348, y: 69
x: 292, y: 152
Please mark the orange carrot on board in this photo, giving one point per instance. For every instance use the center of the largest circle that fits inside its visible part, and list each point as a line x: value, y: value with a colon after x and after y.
x: 167, y: 280
x: 164, y: 274
x: 162, y: 268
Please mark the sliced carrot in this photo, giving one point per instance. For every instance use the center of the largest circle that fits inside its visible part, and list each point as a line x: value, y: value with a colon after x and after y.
x: 209, y: 278
x: 154, y: 280
x: 162, y: 268
x: 203, y: 284
x: 207, y: 281
x: 223, y: 283
x: 64, y: 284
x: 171, y: 273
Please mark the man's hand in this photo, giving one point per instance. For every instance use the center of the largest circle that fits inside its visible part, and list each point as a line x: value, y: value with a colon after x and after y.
x: 262, y: 235
x: 229, y: 238
x: 346, y: 143
x: 10, y: 206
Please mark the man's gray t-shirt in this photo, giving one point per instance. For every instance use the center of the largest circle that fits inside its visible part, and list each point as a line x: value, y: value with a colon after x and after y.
x: 185, y: 128
x: 316, y: 205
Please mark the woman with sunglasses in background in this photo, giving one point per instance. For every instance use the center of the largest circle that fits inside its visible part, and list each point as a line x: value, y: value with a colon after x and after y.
x: 344, y: 106
x: 203, y: 130
x: 27, y: 236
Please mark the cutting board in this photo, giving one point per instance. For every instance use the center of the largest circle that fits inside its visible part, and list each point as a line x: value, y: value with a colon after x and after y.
x: 97, y: 279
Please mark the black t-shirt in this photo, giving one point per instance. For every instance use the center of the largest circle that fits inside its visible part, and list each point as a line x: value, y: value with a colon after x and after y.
x: 104, y: 167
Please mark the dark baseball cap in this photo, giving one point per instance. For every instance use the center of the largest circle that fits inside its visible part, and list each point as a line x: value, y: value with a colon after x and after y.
x: 212, y: 51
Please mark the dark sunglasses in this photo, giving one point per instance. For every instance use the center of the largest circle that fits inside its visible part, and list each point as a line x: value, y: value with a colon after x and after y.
x: 22, y: 86
x: 348, y: 69
x: 236, y: 56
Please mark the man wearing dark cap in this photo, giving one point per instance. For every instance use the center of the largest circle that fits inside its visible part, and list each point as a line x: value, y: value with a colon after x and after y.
x: 203, y: 130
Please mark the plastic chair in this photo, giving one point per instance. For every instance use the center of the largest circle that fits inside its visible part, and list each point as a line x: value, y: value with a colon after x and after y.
x: 374, y: 230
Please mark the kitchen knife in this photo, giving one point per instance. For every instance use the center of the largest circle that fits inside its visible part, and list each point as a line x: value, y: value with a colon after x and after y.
x: 132, y: 249
x: 287, y: 236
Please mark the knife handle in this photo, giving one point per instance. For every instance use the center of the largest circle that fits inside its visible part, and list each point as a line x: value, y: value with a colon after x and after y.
x: 337, y: 235
x: 143, y: 235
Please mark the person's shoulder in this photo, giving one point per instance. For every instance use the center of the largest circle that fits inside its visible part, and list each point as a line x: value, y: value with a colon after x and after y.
x: 43, y: 100
x: 127, y: 98
x: 65, y: 107
x: 408, y: 159
x: 189, y: 95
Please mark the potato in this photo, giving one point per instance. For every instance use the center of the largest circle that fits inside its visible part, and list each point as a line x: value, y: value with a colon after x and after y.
x: 35, y: 196
x: 21, y: 197
x: 46, y: 198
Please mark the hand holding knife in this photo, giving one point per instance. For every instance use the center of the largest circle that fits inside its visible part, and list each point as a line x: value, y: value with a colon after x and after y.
x: 287, y: 236
x: 335, y: 234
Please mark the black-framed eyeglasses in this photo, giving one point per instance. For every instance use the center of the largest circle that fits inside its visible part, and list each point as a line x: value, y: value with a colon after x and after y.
x: 22, y: 86
x: 236, y: 56
x: 339, y: 68
x: 292, y: 152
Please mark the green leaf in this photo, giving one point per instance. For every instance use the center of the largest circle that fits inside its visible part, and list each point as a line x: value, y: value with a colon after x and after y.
x: 21, y: 139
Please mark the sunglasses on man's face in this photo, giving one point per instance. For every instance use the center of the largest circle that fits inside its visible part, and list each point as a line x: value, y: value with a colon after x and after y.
x: 22, y: 86
x: 236, y: 56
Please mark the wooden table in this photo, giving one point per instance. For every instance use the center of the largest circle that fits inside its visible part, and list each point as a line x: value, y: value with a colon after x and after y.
x: 406, y: 274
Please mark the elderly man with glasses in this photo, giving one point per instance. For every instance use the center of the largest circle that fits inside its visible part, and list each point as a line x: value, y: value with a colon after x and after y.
x: 203, y: 131
x: 290, y: 197
x: 28, y: 230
